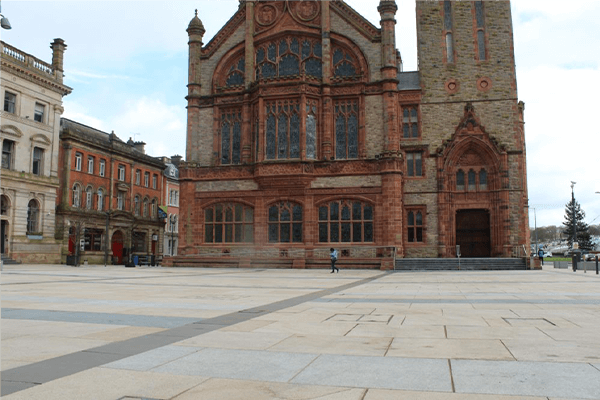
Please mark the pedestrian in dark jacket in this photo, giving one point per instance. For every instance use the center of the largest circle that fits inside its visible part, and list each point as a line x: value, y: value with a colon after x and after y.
x: 333, y: 260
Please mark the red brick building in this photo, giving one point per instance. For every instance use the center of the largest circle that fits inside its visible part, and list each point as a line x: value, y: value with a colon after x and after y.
x: 304, y: 133
x: 107, y: 183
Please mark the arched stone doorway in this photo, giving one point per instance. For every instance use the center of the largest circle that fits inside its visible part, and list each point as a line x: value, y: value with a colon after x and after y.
x: 117, y: 247
x: 473, y: 233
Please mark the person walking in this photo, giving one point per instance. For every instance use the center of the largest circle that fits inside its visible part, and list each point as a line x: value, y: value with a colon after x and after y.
x: 333, y: 260
x: 541, y: 255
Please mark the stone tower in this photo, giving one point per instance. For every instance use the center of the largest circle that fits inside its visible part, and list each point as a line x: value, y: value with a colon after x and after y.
x: 472, y: 123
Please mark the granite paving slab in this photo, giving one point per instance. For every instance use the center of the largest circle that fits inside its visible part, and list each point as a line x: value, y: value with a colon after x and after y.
x: 377, y: 372
x: 153, y: 358
x: 222, y: 389
x: 240, y: 364
x: 449, y: 348
x: 563, y: 380
x: 376, y: 394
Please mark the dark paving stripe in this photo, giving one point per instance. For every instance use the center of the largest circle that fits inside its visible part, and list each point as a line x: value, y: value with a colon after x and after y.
x: 149, y: 321
x: 21, y: 378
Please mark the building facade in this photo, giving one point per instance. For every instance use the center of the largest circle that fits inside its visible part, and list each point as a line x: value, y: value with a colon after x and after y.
x: 304, y: 133
x: 30, y: 122
x: 108, y: 199
x: 171, y: 205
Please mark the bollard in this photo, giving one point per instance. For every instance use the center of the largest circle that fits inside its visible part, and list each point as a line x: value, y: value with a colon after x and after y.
x: 574, y: 262
x: 596, y: 265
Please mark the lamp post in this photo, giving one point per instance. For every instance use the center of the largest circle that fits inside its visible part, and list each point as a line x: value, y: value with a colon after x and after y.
x: 573, y: 215
x: 4, y: 21
x: 536, y: 233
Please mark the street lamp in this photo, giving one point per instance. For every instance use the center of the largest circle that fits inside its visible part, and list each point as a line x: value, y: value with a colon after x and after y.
x: 573, y: 214
x: 536, y: 233
x: 106, y: 241
x: 4, y: 22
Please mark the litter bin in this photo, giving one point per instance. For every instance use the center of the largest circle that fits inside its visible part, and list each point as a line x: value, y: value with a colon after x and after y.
x: 72, y: 260
x: 153, y: 260
x: 136, y: 260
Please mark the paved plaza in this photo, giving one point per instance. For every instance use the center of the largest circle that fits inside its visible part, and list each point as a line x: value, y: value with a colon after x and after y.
x: 108, y: 333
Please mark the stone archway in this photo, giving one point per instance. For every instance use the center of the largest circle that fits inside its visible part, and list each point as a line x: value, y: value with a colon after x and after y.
x: 473, y: 233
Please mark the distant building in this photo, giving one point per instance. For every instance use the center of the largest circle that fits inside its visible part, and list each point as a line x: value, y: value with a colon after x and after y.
x: 30, y: 121
x: 304, y: 133
x: 106, y: 182
x: 171, y: 204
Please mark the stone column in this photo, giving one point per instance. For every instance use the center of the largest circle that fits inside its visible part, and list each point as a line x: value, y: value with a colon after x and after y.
x: 387, y: 9
x: 391, y: 219
x: 196, y: 33
x: 327, y: 106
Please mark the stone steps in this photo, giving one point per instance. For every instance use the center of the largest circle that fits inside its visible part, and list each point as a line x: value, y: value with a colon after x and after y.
x: 466, y: 264
x: 9, y: 261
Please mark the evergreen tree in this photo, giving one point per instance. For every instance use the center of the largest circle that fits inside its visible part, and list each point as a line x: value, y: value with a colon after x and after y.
x: 583, y: 235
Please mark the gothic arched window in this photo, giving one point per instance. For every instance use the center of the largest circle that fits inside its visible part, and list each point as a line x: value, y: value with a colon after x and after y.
x: 346, y: 129
x: 344, y: 64
x: 228, y: 223
x: 235, y: 76
x: 283, y: 130
x: 460, y: 180
x: 231, y: 137
x: 289, y: 56
x: 346, y: 221
x: 285, y: 223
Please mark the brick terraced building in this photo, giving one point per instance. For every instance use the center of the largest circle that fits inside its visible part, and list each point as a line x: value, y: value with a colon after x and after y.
x: 304, y: 133
x: 107, y: 183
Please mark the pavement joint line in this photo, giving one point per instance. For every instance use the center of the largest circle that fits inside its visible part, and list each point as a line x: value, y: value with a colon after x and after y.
x: 70, y: 364
x: 507, y: 349
x: 451, y: 376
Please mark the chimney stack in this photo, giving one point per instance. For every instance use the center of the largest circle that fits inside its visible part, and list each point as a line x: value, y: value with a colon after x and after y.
x: 58, y: 51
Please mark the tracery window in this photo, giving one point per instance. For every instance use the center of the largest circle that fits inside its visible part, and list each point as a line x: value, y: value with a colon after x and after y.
x: 344, y: 64
x: 346, y: 129
x: 476, y: 180
x: 346, y: 221
x: 229, y: 223
x: 285, y: 223
x: 283, y: 130
x: 231, y: 137
x: 410, y: 122
x: 311, y: 130
x: 33, y: 215
x: 289, y: 57
x: 480, y: 22
x: 235, y: 76
x: 415, y: 226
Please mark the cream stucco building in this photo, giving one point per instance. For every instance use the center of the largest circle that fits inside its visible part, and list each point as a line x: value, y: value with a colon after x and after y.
x: 30, y: 122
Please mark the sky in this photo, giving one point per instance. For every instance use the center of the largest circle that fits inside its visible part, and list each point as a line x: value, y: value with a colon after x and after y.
x: 127, y: 64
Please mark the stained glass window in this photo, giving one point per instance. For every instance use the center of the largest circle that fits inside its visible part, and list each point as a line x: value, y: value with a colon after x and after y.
x: 483, y: 184
x: 285, y: 223
x: 343, y: 64
x: 472, y: 180
x: 283, y: 130
x: 311, y: 132
x: 289, y: 57
x: 231, y: 138
x: 346, y: 221
x: 235, y: 76
x: 229, y: 223
x: 346, y: 130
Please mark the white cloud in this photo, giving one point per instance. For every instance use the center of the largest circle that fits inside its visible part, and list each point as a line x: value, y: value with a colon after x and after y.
x: 149, y: 120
